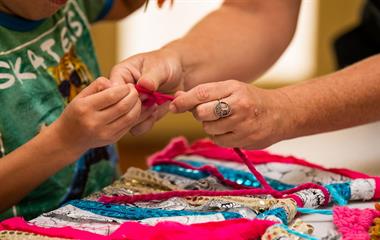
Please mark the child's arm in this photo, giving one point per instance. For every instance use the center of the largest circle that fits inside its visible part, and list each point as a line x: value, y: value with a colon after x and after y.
x: 98, y: 116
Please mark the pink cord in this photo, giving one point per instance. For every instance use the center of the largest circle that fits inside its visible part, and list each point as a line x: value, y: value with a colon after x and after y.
x: 253, y: 170
x: 216, y: 173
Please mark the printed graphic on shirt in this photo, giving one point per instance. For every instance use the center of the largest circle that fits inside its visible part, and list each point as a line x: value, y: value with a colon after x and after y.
x: 71, y: 75
x: 53, y: 52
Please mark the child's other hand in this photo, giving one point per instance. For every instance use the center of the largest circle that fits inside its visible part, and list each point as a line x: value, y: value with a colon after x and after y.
x: 101, y: 114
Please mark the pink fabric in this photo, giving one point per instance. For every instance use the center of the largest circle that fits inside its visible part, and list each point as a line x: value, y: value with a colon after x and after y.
x: 18, y: 223
x: 239, y: 229
x: 206, y: 148
x: 153, y: 97
x: 354, y: 224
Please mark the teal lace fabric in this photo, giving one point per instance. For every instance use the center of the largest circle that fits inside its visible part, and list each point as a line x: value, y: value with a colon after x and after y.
x: 138, y: 213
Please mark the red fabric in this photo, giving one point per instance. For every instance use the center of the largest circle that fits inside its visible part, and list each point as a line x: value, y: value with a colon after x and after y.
x: 153, y: 97
x: 239, y: 229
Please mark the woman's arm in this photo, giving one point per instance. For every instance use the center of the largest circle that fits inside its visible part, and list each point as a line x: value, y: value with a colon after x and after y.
x: 241, y: 40
x: 262, y: 117
x: 339, y: 100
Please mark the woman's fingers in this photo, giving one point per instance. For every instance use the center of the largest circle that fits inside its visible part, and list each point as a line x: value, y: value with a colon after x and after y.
x: 206, y: 111
x: 162, y: 110
x: 221, y: 126
x: 127, y: 71
x: 200, y: 94
x: 147, y: 112
x: 230, y: 139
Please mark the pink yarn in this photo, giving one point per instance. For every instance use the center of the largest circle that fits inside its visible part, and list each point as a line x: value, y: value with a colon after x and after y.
x: 153, y: 97
x: 250, y: 191
x: 354, y: 224
x: 239, y: 229
x: 253, y: 170
x: 206, y: 148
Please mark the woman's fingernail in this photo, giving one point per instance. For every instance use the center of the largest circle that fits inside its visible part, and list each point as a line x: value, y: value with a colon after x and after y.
x: 178, y: 93
x: 172, y: 108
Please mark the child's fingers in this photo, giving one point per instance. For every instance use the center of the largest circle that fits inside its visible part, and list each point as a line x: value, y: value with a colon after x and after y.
x: 110, y: 114
x: 97, y: 86
x: 108, y: 97
x: 127, y: 120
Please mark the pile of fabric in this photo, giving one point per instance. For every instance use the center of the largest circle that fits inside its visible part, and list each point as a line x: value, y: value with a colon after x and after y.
x: 202, y: 191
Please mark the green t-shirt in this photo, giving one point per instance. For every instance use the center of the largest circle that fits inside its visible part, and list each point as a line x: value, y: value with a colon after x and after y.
x: 43, y: 65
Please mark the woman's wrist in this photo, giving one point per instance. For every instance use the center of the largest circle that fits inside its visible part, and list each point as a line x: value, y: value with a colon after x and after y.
x: 292, y: 115
x: 180, y: 51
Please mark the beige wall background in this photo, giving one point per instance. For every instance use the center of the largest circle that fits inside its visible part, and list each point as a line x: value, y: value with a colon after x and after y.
x: 353, y: 148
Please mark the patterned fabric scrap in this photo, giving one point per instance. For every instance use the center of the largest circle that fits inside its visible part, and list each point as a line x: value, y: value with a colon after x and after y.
x: 19, y: 235
x: 203, y: 191
x: 277, y: 232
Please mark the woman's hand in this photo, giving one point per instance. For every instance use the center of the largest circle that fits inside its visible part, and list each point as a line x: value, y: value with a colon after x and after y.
x: 101, y: 114
x: 158, y: 71
x: 258, y: 117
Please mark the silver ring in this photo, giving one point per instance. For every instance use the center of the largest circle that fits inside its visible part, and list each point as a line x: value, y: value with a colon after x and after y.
x: 222, y: 109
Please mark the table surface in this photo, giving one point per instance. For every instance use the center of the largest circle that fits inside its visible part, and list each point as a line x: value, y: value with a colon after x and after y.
x: 323, y: 223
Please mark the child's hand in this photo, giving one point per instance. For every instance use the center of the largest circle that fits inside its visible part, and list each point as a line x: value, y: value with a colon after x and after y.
x: 101, y: 114
x: 157, y: 71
